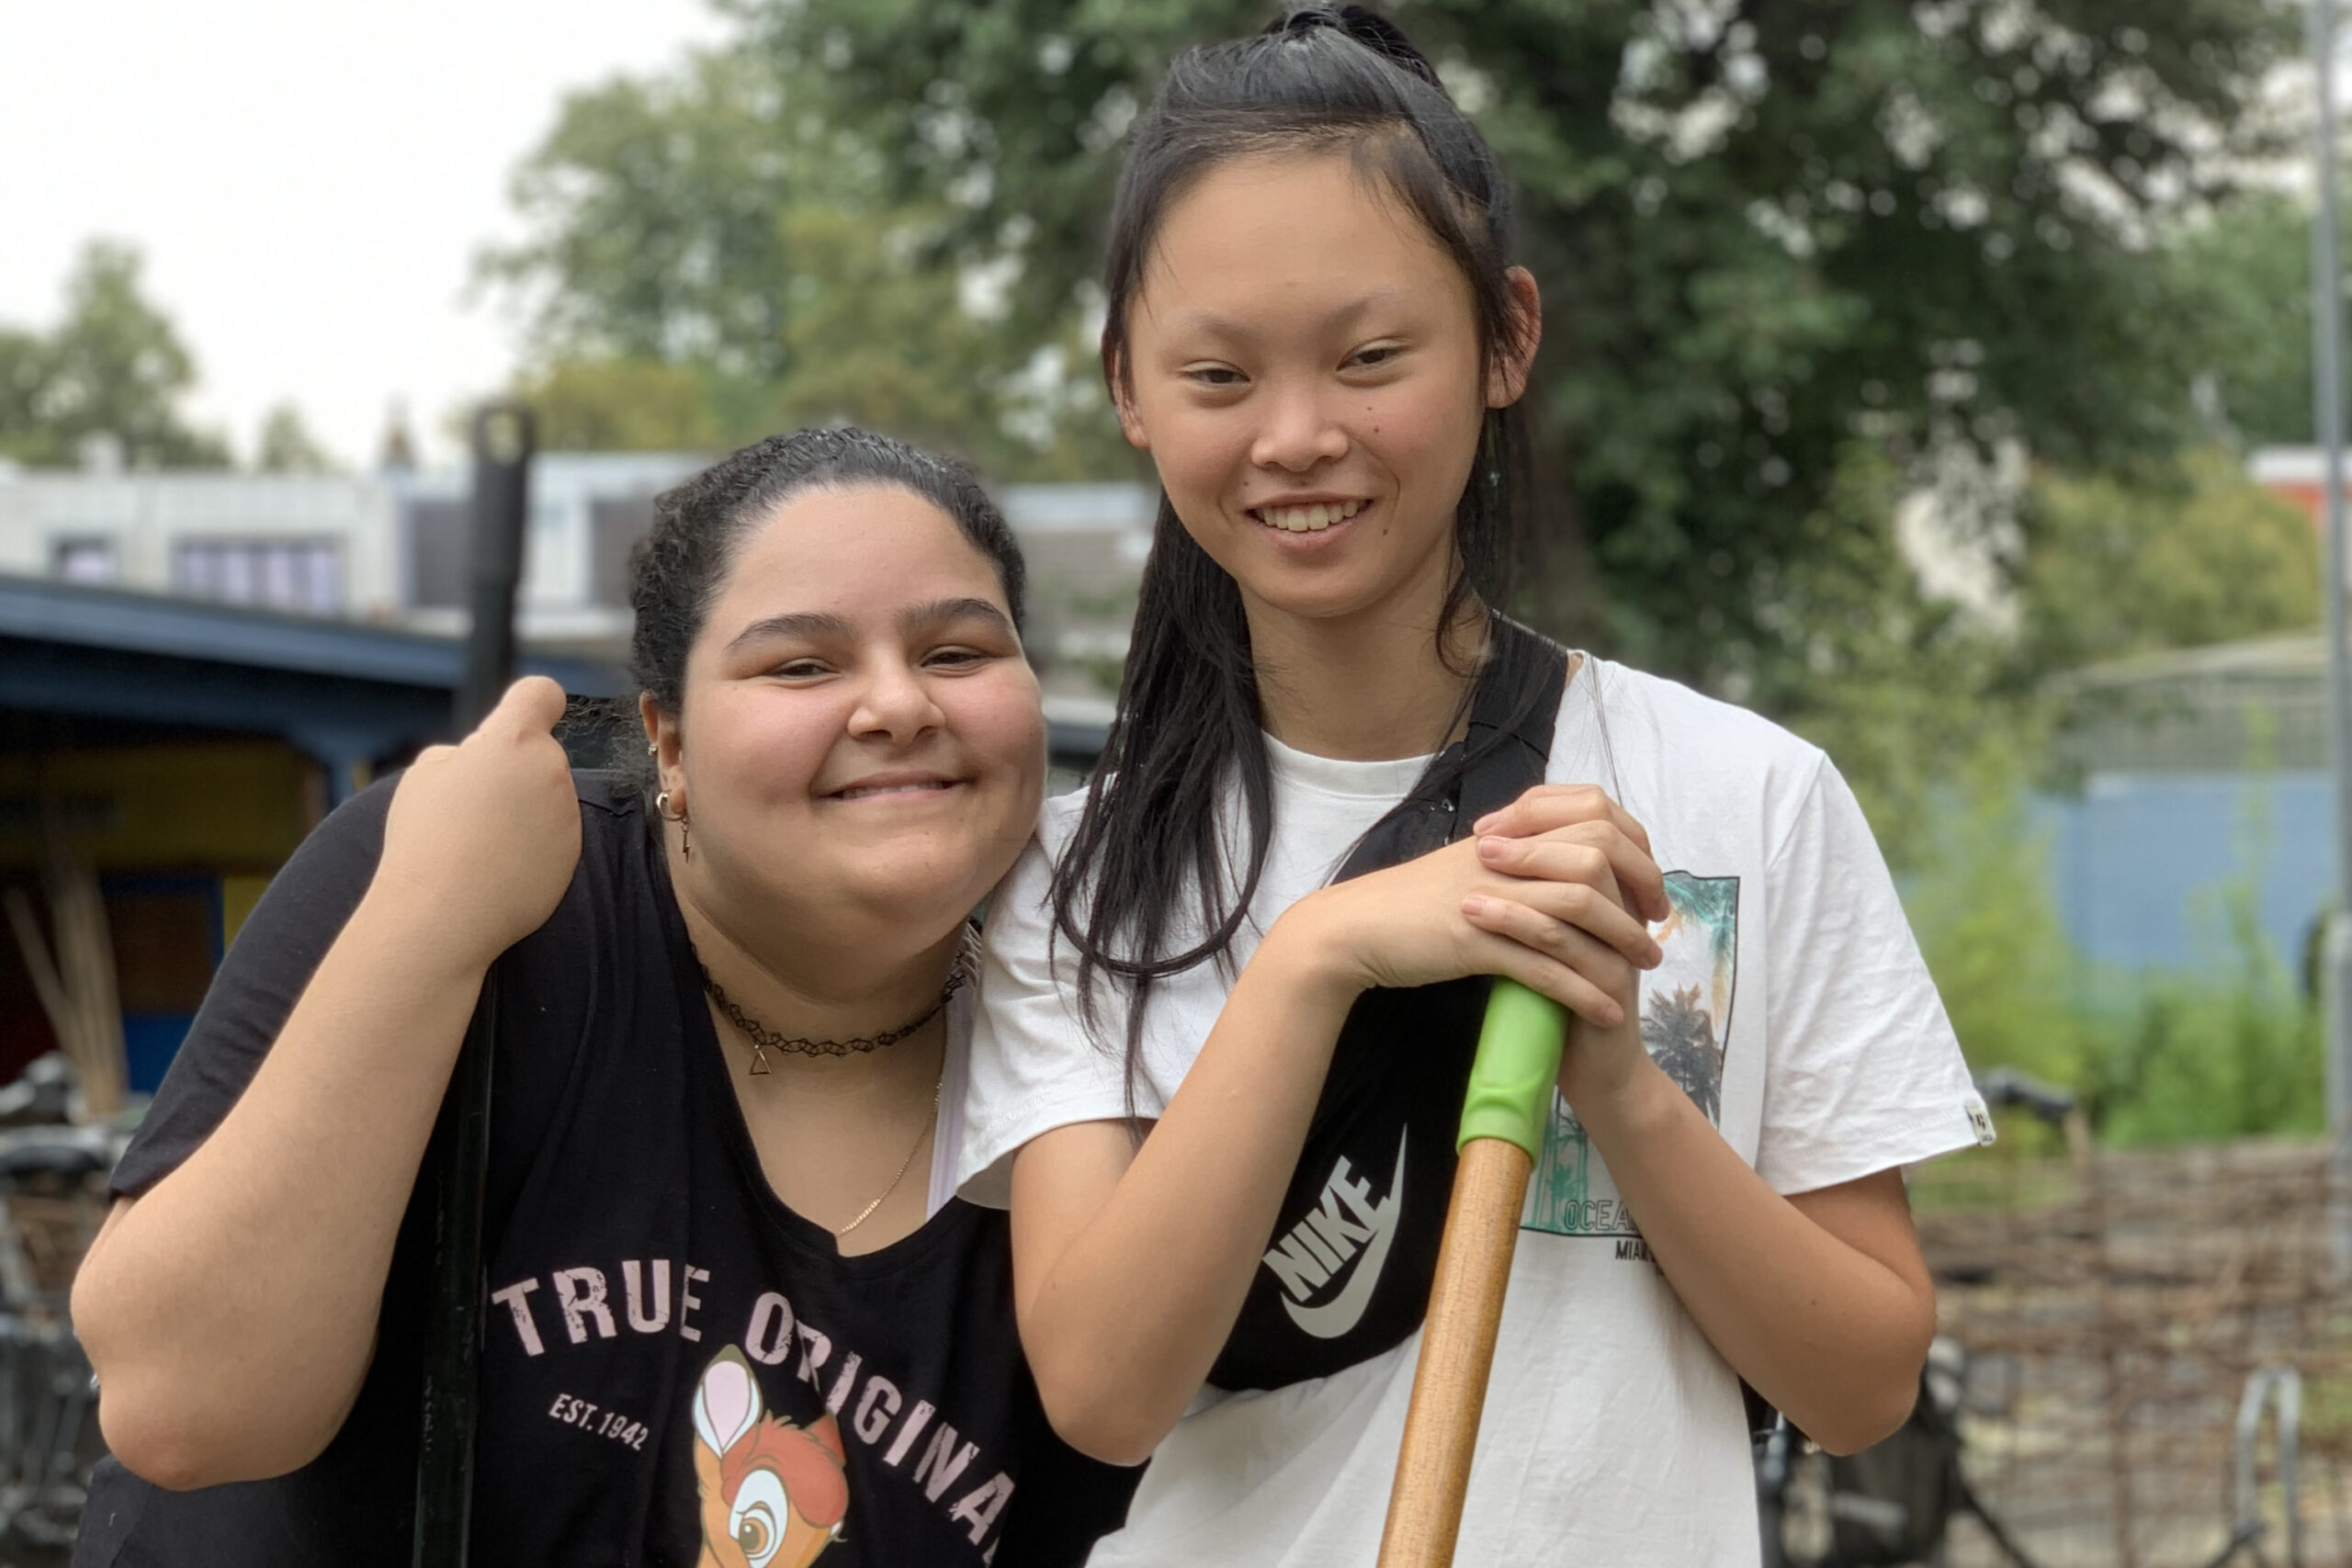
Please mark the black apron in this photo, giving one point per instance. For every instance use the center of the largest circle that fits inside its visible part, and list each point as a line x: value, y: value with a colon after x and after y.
x: 1346, y: 1274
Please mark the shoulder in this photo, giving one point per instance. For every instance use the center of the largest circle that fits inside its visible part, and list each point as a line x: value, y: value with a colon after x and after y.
x: 612, y: 885
x: 1057, y: 823
x: 612, y: 815
x: 354, y: 831
x: 1018, y: 910
x: 607, y: 797
x: 1669, y: 712
x: 1670, y: 749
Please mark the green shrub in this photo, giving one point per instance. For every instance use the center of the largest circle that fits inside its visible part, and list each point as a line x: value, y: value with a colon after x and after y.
x: 2232, y: 1051
x: 2228, y: 1048
x: 1981, y: 906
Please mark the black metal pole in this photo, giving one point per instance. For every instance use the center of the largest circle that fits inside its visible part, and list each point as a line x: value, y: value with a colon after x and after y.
x: 445, y: 1469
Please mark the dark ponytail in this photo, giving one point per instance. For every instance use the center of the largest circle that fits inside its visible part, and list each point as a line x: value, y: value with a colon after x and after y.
x: 1150, y: 844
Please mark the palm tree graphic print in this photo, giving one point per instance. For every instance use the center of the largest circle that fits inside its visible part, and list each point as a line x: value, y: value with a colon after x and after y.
x: 1686, y: 1024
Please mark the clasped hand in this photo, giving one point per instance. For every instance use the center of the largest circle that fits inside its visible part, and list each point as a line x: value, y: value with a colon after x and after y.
x: 1554, y: 891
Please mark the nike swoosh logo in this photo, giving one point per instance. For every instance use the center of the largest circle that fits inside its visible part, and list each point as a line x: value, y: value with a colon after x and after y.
x: 1345, y: 1310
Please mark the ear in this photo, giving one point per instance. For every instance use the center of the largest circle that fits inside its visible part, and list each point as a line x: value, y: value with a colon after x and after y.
x: 1114, y: 375
x: 661, y: 733
x: 727, y: 1406
x: 1507, y: 380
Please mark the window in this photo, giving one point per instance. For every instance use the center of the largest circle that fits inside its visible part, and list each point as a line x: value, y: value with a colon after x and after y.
x: 615, y: 524
x: 303, y: 575
x: 85, y: 560
x: 438, y: 563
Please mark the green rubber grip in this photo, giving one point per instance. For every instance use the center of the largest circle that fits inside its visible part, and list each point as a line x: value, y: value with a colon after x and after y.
x: 1517, y: 1065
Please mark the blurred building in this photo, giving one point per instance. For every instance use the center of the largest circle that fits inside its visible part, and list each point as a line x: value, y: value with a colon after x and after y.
x: 2198, y: 788
x: 2199, y: 777
x: 2293, y: 473
x: 178, y: 751
x: 389, y: 547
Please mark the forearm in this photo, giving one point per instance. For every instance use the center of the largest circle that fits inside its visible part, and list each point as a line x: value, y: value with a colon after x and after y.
x: 1123, y: 1326
x: 231, y: 1310
x: 1831, y: 1335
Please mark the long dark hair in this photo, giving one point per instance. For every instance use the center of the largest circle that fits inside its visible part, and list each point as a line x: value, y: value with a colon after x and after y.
x: 1151, y: 842
x: 700, y: 525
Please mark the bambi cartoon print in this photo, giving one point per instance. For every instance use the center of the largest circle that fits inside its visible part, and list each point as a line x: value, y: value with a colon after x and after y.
x: 773, y: 1494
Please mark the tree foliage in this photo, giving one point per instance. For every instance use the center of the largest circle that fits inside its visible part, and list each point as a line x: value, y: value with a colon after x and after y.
x: 653, y: 209
x: 113, y: 366
x: 2120, y: 569
x: 1895, y: 684
x: 2244, y: 279
x: 716, y: 255
x: 288, y: 447
x: 621, y: 403
x: 1762, y: 232
x: 1795, y: 261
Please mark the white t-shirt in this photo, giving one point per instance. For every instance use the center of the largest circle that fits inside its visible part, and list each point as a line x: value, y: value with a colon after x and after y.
x: 1792, y: 1005
x: 955, y: 1080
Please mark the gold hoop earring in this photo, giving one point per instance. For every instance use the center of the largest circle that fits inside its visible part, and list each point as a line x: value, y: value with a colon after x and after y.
x: 685, y: 828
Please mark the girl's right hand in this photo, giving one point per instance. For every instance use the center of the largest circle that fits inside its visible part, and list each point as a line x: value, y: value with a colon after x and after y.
x: 1577, y: 889
x: 484, y: 836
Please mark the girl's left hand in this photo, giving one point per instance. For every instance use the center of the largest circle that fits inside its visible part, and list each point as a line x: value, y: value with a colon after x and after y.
x: 1526, y: 839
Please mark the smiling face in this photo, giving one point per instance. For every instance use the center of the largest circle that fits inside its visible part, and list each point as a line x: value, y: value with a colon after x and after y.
x: 1303, y: 365
x: 862, y: 740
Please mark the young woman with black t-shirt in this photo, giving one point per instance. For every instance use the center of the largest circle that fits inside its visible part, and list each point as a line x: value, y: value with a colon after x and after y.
x: 1340, y: 790
x: 736, y: 1317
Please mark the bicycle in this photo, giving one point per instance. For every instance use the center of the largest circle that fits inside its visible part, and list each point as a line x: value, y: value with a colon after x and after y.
x: 50, y: 1202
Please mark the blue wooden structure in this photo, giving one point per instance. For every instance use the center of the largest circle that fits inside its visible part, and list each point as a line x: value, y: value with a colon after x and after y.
x: 344, y: 693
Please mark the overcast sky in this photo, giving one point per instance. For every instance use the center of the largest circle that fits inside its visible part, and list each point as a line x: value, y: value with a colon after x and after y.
x: 308, y: 182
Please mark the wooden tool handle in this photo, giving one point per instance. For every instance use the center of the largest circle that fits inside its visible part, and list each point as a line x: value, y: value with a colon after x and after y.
x: 1457, y: 1350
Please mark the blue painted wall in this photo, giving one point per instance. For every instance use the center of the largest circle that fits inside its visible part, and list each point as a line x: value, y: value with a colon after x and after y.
x: 2142, y: 863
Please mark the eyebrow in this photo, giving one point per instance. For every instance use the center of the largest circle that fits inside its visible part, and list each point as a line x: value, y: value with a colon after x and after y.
x: 940, y: 612
x: 1210, y: 324
x: 808, y: 625
x: 815, y: 625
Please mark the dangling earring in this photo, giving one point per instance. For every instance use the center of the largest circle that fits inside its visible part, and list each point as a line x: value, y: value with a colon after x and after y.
x: 685, y: 828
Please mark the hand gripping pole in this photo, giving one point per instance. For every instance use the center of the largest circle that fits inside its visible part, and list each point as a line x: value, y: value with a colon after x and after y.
x: 459, y: 1161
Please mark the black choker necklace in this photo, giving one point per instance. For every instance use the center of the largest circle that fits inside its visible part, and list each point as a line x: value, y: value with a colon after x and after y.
x: 764, y: 1039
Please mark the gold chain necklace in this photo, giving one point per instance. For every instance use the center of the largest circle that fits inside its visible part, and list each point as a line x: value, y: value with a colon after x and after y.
x: 762, y: 1037
x: 903, y: 1163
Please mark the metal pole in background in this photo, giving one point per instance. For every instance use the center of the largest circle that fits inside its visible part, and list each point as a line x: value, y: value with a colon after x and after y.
x: 460, y: 1160
x: 2327, y: 376
x: 502, y: 451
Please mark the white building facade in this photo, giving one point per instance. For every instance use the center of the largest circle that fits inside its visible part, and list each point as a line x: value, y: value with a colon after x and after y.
x: 391, y: 547
x: 305, y: 543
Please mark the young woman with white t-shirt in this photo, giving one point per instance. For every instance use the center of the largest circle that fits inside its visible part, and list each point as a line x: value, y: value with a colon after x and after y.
x: 1226, y: 999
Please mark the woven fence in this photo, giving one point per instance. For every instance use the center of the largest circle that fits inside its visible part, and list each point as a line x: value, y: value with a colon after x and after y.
x: 2114, y: 1306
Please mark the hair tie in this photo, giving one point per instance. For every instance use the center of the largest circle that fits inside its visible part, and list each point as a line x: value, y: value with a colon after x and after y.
x: 1366, y: 27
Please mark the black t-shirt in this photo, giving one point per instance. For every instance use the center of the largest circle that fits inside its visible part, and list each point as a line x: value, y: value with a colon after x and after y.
x: 677, y: 1368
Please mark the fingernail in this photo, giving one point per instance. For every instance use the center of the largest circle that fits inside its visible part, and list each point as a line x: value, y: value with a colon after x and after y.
x: 1474, y: 905
x: 1657, y: 955
x: 1480, y: 825
x: 1493, y: 846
